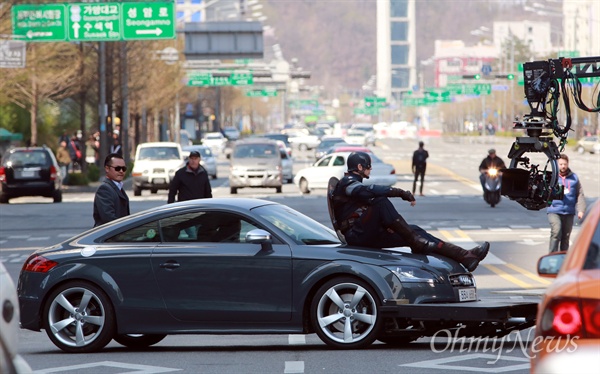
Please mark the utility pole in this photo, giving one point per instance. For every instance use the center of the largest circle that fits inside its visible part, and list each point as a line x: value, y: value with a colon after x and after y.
x: 102, y: 104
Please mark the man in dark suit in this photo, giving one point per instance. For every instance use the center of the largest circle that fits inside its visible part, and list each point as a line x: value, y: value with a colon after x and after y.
x: 111, y: 201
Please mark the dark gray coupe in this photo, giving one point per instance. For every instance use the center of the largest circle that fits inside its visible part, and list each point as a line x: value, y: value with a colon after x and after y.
x: 245, y: 266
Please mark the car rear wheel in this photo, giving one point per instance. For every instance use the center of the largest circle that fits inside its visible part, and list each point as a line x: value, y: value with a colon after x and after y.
x: 154, y: 190
x: 214, y: 176
x: 278, y: 189
x: 137, y: 191
x: 138, y: 340
x: 79, y: 318
x: 344, y: 314
x: 57, y: 196
x: 4, y: 199
x: 304, y: 186
x: 233, y: 190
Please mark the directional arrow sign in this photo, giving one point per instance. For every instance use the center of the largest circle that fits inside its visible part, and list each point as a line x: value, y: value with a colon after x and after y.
x: 87, y: 22
x: 149, y: 20
x: 43, y: 22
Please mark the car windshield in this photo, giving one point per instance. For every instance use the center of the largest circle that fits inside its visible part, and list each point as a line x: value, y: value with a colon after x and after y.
x: 256, y: 150
x: 205, y: 152
x: 298, y: 227
x: 159, y: 153
x: 27, y: 158
x: 213, y: 136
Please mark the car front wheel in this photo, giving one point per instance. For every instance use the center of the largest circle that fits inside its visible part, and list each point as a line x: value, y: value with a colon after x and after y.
x: 137, y: 191
x: 344, y: 314
x: 79, y: 318
x: 138, y: 340
x: 304, y: 186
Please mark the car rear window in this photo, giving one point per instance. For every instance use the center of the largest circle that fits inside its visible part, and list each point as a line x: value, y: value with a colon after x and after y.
x: 256, y: 150
x: 27, y: 158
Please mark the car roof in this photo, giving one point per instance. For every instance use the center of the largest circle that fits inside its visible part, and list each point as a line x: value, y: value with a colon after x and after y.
x: 159, y: 144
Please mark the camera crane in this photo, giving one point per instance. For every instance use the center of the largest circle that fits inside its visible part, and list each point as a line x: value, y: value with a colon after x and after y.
x: 544, y: 81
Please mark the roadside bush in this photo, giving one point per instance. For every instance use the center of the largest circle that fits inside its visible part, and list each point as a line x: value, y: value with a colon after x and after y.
x: 77, y: 179
x: 93, y: 173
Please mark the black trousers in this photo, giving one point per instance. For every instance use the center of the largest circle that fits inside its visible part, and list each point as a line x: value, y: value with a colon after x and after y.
x: 418, y: 173
x: 370, y: 229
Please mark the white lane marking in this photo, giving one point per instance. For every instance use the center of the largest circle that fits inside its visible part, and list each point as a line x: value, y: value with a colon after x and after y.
x: 518, y: 227
x: 2, y: 241
x: 470, y: 227
x: 39, y: 238
x: 297, y: 339
x: 19, y: 236
x: 500, y: 229
x: 139, y: 369
x: 294, y: 367
x: 445, y: 363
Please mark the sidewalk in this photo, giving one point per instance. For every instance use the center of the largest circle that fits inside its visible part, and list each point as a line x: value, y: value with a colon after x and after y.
x: 93, y: 186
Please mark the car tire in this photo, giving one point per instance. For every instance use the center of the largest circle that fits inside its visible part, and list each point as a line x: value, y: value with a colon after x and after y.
x: 4, y: 199
x: 278, y: 189
x: 303, y: 184
x: 344, y: 313
x: 138, y: 340
x: 233, y: 190
x: 153, y: 190
x: 137, y: 191
x: 214, y: 176
x: 580, y: 150
x: 57, y: 196
x: 303, y: 147
x: 77, y: 327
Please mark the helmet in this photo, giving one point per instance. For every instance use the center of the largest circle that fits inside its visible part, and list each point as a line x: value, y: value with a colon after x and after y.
x: 358, y: 158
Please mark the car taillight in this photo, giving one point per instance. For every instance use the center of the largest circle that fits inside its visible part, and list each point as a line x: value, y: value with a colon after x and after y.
x: 393, y: 171
x: 572, y: 317
x: 38, y: 264
x: 52, y: 173
x: 2, y: 174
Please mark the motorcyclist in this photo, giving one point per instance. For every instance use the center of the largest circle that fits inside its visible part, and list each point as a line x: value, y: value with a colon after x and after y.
x: 491, y: 161
x: 367, y: 217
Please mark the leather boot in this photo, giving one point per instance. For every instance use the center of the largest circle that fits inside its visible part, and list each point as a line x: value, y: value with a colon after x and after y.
x: 469, y: 258
x: 417, y: 243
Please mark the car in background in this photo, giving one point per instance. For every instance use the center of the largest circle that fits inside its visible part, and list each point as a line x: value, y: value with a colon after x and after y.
x: 359, y: 137
x: 207, y: 158
x: 255, y: 163
x: 287, y: 163
x: 589, y: 144
x: 569, y: 312
x: 231, y: 133
x: 277, y: 136
x: 345, y: 147
x: 326, y: 143
x: 369, y: 131
x: 10, y: 360
x: 215, y: 141
x: 303, y: 140
x: 155, y: 165
x: 31, y: 171
x: 334, y: 165
x: 243, y: 266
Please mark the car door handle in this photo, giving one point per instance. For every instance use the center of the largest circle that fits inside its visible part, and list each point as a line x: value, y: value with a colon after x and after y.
x: 169, y: 265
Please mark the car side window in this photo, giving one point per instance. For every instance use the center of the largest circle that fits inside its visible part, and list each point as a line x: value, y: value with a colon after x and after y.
x: 147, y: 232
x: 592, y: 260
x: 210, y: 227
x: 324, y: 162
x: 339, y: 161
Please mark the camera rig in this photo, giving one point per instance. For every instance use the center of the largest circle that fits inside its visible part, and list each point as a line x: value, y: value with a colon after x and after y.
x: 523, y: 182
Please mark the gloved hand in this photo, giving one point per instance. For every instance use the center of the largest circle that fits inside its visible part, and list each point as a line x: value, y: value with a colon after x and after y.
x: 405, y: 195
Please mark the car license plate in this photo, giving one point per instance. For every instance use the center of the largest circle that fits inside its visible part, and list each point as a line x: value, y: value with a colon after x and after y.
x: 27, y: 174
x: 256, y: 181
x: 159, y: 181
x: 467, y: 294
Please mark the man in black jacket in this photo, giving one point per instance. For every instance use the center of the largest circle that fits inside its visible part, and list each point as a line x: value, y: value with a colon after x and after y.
x: 367, y: 218
x: 111, y: 201
x: 190, y: 182
x: 419, y: 165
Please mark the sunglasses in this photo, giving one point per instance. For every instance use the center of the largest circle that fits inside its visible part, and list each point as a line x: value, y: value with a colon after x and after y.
x: 118, y: 168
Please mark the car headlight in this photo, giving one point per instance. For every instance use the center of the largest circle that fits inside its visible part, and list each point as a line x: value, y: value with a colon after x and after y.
x: 413, y: 274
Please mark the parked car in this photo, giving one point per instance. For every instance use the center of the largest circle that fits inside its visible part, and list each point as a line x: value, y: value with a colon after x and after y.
x: 569, y: 313
x: 207, y: 159
x: 215, y: 141
x: 255, y: 163
x: 244, y: 266
x: 334, y: 165
x: 287, y: 163
x: 359, y: 137
x: 326, y: 143
x: 155, y: 166
x: 589, y: 144
x: 10, y: 360
x: 31, y: 171
x: 303, y: 140
x: 231, y: 133
x: 369, y: 131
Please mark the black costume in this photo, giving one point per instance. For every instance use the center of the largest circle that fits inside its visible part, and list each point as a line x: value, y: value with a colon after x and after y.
x: 189, y: 184
x: 419, y: 166
x: 367, y: 218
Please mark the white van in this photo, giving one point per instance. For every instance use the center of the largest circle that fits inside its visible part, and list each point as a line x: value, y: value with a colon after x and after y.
x: 155, y: 165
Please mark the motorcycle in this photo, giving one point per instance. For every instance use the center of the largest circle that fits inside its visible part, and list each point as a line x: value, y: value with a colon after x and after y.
x: 492, y: 184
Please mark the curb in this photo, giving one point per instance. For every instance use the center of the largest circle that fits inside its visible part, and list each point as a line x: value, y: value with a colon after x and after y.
x: 93, y: 186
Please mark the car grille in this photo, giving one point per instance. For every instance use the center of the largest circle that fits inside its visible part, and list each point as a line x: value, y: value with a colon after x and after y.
x: 461, y: 280
x: 158, y: 171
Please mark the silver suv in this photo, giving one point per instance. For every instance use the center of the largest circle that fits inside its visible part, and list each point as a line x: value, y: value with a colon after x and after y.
x: 255, y: 163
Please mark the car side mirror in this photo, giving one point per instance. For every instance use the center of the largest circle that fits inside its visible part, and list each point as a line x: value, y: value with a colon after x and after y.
x: 549, y: 265
x: 262, y: 237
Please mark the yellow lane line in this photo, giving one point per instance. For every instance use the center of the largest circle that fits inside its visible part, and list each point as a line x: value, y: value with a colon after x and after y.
x: 528, y: 274
x: 508, y: 277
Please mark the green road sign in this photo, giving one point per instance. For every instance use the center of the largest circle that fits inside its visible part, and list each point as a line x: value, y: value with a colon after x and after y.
x: 568, y: 54
x: 369, y: 111
x: 43, y: 22
x: 262, y: 93
x: 199, y: 79
x: 149, y: 20
x: 375, y: 102
x: 94, y: 21
x: 90, y: 22
x: 241, y: 79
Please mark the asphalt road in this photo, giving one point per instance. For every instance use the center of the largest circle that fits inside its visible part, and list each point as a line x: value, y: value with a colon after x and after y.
x: 451, y: 209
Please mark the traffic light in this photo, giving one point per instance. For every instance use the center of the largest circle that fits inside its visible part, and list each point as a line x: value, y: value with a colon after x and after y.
x: 510, y: 77
x: 472, y: 76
